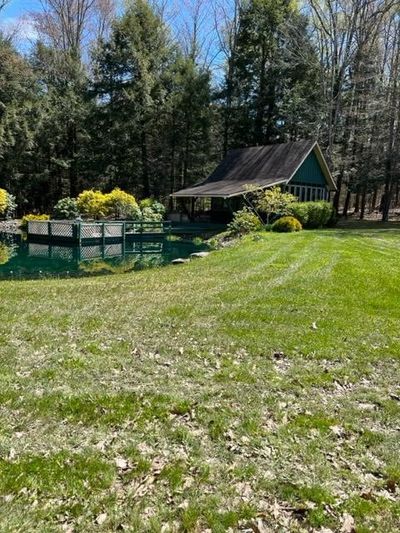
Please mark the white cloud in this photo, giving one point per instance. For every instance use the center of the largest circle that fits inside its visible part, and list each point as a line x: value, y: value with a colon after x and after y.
x: 21, y: 29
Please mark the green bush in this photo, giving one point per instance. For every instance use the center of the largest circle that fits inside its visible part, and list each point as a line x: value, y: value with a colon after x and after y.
x: 149, y: 215
x: 312, y: 214
x: 146, y: 202
x: 152, y: 210
x: 286, y: 225
x: 31, y: 217
x: 244, y: 221
x: 274, y: 202
x: 66, y: 209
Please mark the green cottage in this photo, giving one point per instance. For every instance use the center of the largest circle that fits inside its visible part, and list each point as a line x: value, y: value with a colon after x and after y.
x: 298, y: 167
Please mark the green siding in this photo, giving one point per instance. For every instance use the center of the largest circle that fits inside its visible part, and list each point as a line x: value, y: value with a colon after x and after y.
x: 309, y: 173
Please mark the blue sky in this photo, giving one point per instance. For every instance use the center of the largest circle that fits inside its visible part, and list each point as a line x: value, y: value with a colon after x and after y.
x: 15, y: 18
x: 17, y: 8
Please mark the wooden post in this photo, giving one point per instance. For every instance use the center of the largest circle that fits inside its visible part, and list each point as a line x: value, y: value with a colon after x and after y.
x: 123, y: 239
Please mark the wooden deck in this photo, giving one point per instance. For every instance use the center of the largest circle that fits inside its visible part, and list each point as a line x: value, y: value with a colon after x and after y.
x: 103, y: 231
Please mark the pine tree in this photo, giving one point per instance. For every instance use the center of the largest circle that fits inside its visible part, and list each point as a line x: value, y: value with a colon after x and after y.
x: 18, y: 118
x: 271, y: 87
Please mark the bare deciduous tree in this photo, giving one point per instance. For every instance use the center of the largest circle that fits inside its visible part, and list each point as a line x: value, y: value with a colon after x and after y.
x: 65, y: 23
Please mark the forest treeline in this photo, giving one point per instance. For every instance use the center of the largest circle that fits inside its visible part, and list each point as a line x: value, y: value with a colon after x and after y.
x: 149, y: 100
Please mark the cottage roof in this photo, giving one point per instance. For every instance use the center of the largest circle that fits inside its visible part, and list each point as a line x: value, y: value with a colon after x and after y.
x: 259, y: 166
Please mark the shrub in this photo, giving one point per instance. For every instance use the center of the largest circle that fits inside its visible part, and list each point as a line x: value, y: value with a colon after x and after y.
x: 244, y: 221
x: 159, y: 208
x: 11, y: 206
x: 152, y: 210
x: 146, y: 202
x: 312, y: 214
x: 66, y: 209
x: 31, y: 217
x: 274, y: 202
x: 7, y: 204
x: 151, y: 216
x: 286, y: 225
x: 120, y: 204
x: 92, y: 204
x: 3, y: 201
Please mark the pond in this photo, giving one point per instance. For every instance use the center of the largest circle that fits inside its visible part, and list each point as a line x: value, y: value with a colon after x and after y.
x: 21, y: 259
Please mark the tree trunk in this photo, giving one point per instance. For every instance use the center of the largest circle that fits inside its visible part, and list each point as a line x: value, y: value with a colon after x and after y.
x: 374, y: 199
x: 363, y: 203
x: 145, y: 165
x: 73, y: 169
x: 357, y: 203
x: 346, y: 204
x: 336, y: 198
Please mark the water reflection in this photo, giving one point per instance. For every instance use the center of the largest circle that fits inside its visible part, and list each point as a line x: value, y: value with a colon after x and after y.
x: 8, y: 249
x: 23, y: 259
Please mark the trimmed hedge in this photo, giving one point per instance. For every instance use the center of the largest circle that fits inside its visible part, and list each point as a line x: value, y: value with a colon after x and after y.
x: 286, y: 225
x: 312, y: 214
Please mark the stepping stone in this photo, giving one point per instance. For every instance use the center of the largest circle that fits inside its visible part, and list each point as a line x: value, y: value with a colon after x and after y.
x: 179, y: 261
x: 200, y: 254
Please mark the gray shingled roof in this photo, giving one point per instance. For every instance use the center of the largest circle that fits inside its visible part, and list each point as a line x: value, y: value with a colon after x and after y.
x: 261, y: 166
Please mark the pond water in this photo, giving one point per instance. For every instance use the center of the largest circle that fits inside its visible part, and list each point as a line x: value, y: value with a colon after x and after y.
x: 21, y: 259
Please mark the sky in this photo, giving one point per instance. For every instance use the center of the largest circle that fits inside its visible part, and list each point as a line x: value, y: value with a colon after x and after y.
x: 17, y: 8
x: 16, y: 16
x: 15, y: 19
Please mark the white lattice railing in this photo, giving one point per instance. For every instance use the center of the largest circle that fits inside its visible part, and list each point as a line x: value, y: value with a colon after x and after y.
x: 80, y: 231
x: 62, y: 229
x: 38, y: 228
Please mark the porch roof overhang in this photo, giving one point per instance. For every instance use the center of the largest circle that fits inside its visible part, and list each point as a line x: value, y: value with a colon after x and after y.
x: 223, y: 190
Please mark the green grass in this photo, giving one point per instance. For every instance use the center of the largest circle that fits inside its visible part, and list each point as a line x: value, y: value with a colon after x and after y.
x: 258, y: 387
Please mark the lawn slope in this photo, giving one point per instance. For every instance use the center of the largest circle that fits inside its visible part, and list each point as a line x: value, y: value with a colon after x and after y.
x: 257, y: 389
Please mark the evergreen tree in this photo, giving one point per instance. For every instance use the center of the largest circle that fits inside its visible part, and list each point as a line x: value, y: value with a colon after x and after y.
x: 270, y: 84
x: 130, y: 72
x: 18, y: 117
x: 153, y: 107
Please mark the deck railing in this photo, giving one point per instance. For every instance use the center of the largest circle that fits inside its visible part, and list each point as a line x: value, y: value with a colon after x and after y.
x: 103, y: 231
x: 142, y: 226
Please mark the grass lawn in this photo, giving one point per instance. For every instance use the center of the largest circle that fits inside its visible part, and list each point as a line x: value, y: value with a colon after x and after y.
x: 257, y: 389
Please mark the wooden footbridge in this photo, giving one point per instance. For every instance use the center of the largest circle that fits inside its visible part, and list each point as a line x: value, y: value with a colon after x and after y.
x: 81, y: 232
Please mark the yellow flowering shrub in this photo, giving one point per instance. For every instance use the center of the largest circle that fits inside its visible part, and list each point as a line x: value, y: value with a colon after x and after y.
x: 3, y: 201
x: 31, y: 217
x: 92, y: 204
x: 120, y: 204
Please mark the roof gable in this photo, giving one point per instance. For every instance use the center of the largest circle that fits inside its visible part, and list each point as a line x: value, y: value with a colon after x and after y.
x: 309, y: 172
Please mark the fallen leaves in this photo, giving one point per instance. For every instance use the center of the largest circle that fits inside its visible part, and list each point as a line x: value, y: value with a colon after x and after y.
x: 337, y: 430
x: 101, y: 518
x: 348, y: 524
x: 121, y: 463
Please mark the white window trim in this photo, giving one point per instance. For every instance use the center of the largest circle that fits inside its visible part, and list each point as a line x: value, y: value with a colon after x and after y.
x: 305, y: 193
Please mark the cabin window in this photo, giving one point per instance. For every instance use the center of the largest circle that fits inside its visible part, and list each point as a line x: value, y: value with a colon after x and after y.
x: 307, y: 193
